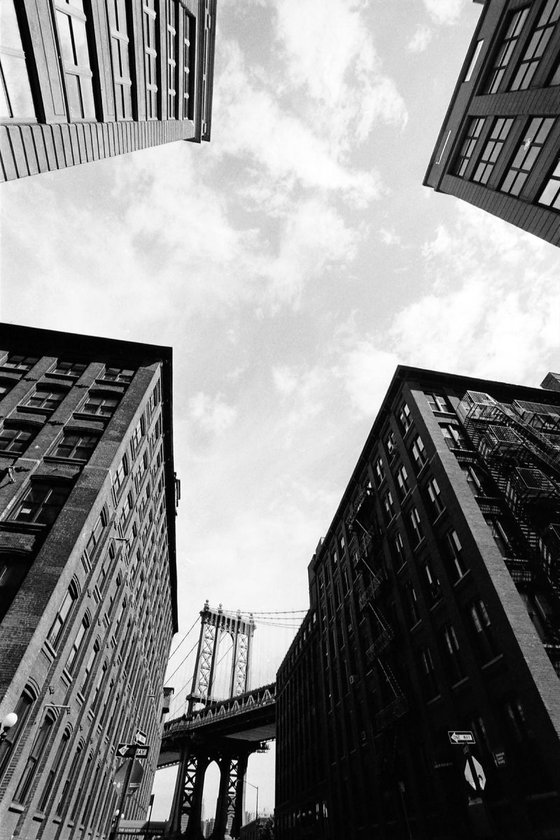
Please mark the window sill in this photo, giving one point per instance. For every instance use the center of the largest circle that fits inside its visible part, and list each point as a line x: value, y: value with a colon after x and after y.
x: 460, y: 683
x: 59, y: 459
x: 416, y: 626
x: 39, y: 816
x: 420, y: 544
x: 466, y: 576
x: 32, y: 409
x: 48, y: 650
x: 437, y: 520
x: 433, y: 700
x: 492, y: 662
x: 16, y: 808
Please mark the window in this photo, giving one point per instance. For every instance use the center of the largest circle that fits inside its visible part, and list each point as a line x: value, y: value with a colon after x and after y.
x: 492, y: 149
x: 456, y: 567
x: 100, y: 405
x: 76, y: 645
x: 399, y: 548
x: 402, y: 481
x: 189, y: 30
x: 15, y: 90
x: 501, y: 536
x: 45, y: 399
x: 118, y: 29
x: 404, y: 418
x: 71, y: 781
x: 414, y: 518
x: 454, y: 436
x: 379, y: 470
x: 555, y: 77
x: 71, y: 24
x: 388, y: 506
x: 61, y: 618
x: 7, y: 745
x: 476, y: 481
x: 435, y: 497
x: 69, y: 368
x: 150, y: 57
x: 451, y: 654
x: 13, y: 360
x: 54, y: 767
x: 390, y: 444
x: 411, y: 603
x: 418, y: 452
x: 526, y: 155
x: 428, y: 673
x: 172, y: 42
x: 16, y: 439
x: 6, y: 386
x: 474, y: 59
x: 481, y: 631
x: 120, y: 475
x: 86, y: 671
x: 76, y: 445
x: 113, y: 374
x: 137, y: 436
x: 467, y: 147
x: 550, y: 194
x: 516, y: 719
x: 537, y: 45
x: 439, y: 403
x: 42, y: 503
x: 37, y: 750
x: 515, y: 23
x: 430, y: 584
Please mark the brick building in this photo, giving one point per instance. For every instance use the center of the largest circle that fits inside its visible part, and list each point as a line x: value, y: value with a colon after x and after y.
x: 434, y: 607
x: 87, y: 574
x: 499, y: 145
x: 83, y: 80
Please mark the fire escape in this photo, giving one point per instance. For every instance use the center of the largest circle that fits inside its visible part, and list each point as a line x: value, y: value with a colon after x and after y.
x: 372, y: 576
x: 519, y: 445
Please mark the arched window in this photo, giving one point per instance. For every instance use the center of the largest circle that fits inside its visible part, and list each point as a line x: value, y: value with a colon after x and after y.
x: 62, y: 616
x: 37, y: 751
x: 22, y: 709
x: 78, y: 641
x: 54, y: 769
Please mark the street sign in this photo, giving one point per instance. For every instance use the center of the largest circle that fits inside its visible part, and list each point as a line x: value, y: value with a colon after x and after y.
x: 132, y: 751
x: 500, y: 758
x: 464, y: 737
x: 472, y: 764
x: 141, y: 738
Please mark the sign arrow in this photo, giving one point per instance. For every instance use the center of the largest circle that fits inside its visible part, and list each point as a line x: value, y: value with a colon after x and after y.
x: 122, y: 750
x: 461, y: 737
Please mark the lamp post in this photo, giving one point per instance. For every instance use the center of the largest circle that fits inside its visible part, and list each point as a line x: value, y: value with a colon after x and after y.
x: 257, y: 803
x: 10, y: 720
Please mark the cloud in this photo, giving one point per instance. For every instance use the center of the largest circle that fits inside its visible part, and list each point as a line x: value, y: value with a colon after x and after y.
x: 444, y: 12
x: 420, y: 39
x: 389, y: 236
x: 489, y: 311
x: 287, y: 150
x: 331, y: 54
x: 212, y: 414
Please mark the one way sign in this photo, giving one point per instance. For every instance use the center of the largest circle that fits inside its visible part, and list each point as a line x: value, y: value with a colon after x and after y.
x: 461, y: 737
x: 132, y: 751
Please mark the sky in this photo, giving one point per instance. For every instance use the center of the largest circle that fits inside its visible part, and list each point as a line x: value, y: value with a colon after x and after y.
x: 291, y: 263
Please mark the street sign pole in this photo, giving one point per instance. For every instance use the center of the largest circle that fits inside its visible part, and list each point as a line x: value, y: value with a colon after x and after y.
x: 114, y: 833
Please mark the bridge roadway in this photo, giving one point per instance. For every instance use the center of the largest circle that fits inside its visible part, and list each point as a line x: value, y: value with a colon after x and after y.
x: 249, y: 718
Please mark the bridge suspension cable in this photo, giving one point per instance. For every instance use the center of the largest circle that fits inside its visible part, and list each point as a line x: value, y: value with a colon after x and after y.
x: 189, y: 631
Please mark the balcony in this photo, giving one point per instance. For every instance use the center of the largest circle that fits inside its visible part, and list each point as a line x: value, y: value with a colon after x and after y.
x: 501, y: 440
x: 520, y: 569
x: 391, y: 712
x: 382, y: 639
x: 368, y: 593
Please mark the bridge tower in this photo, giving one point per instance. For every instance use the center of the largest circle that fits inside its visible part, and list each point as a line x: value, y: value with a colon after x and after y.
x: 214, y: 625
x: 196, y: 753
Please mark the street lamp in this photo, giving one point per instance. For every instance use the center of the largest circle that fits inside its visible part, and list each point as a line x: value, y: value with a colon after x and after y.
x: 257, y: 804
x: 9, y: 721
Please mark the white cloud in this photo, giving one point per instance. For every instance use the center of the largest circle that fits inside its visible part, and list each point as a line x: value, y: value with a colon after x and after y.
x: 331, y: 53
x: 389, y: 236
x: 444, y: 12
x: 289, y: 151
x: 212, y: 414
x: 420, y: 39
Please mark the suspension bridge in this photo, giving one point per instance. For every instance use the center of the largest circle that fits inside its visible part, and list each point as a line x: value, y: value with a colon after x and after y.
x: 217, y: 717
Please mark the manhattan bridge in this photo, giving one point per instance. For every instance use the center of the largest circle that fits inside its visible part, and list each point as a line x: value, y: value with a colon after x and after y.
x: 223, y: 722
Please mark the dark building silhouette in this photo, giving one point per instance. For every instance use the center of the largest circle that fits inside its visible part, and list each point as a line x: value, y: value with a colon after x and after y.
x: 434, y: 608
x: 499, y: 146
x: 82, y: 80
x: 87, y: 574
